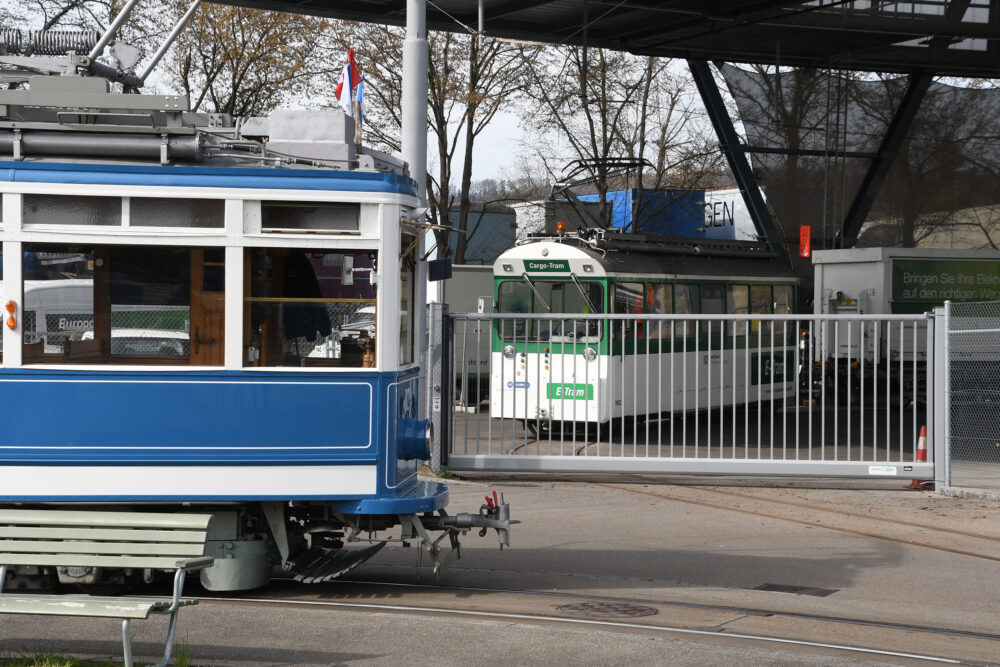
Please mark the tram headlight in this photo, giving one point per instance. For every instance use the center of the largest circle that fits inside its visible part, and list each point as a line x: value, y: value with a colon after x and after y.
x: 508, y: 352
x: 590, y: 354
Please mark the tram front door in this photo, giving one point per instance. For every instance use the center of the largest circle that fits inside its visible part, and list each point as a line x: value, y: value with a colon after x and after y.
x: 207, y: 306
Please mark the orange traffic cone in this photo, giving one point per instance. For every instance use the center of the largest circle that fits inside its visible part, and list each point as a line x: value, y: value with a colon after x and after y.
x: 917, y: 484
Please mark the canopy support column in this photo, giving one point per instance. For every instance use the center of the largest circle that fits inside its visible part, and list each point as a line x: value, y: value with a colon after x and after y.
x: 729, y: 142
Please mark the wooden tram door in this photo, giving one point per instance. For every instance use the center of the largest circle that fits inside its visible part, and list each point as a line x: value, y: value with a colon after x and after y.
x: 208, y: 303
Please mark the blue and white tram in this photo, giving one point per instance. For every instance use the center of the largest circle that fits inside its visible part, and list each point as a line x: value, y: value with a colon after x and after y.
x: 214, y: 317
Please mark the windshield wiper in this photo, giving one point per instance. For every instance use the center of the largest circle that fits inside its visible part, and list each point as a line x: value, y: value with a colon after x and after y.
x: 537, y: 295
x: 583, y: 293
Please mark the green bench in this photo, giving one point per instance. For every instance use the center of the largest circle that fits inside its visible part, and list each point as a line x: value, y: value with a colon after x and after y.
x: 82, y: 539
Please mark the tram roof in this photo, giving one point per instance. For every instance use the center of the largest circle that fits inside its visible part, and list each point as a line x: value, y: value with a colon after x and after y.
x: 945, y: 37
x: 697, y: 257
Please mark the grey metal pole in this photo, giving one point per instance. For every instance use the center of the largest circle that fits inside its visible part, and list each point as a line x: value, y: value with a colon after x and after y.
x: 414, y: 97
x: 414, y: 145
x: 112, y: 29
x: 169, y: 40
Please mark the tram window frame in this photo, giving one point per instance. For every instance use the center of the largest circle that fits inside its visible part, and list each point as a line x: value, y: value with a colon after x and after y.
x: 686, y: 302
x: 659, y: 301
x: 733, y: 307
x: 310, y: 216
x: 407, y: 297
x: 786, y: 307
x: 15, y: 315
x: 176, y: 213
x: 521, y: 293
x: 135, y: 305
x: 44, y: 210
x: 628, y: 298
x: 761, y: 303
x: 284, y: 305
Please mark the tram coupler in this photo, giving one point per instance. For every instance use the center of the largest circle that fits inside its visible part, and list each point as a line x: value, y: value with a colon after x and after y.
x: 494, y: 513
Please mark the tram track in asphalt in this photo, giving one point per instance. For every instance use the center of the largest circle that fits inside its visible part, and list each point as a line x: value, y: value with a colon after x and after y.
x: 893, y: 641
x: 737, y: 618
x: 976, y: 545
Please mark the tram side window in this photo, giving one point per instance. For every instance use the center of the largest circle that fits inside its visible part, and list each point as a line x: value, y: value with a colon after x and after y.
x: 309, y: 307
x: 760, y: 302
x: 628, y: 300
x: 685, y: 302
x: 713, y: 302
x: 66, y: 210
x: 137, y: 305
x: 406, y: 297
x: 1, y: 275
x: 782, y: 299
x: 174, y: 212
x: 784, y: 296
x: 659, y: 301
x: 738, y: 302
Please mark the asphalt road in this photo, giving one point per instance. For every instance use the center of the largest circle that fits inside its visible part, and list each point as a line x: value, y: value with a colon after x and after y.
x: 900, y: 573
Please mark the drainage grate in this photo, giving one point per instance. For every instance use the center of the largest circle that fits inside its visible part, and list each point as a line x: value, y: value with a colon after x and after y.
x: 607, y: 609
x: 797, y: 590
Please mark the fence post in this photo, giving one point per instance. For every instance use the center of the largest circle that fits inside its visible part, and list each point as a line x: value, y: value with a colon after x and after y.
x: 438, y: 379
x: 938, y: 389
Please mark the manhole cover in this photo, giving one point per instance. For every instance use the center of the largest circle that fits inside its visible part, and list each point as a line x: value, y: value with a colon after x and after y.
x: 797, y: 590
x: 607, y: 609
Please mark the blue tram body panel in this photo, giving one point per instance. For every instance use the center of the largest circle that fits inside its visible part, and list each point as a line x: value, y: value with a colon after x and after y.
x: 224, y: 424
x: 207, y: 177
x: 83, y: 417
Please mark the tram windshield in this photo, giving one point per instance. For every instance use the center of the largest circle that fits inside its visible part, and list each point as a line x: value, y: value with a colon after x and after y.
x: 550, y: 297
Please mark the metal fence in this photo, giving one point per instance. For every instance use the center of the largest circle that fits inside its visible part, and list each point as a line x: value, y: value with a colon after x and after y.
x: 717, y: 394
x: 973, y: 394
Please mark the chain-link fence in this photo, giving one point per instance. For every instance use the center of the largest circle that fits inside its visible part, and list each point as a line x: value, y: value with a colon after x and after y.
x: 974, y: 394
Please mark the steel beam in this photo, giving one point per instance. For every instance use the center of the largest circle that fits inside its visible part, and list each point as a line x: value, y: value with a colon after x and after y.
x: 887, y: 152
x: 735, y: 153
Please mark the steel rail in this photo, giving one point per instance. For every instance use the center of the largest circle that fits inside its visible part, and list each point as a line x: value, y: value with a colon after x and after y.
x: 806, y: 522
x: 646, y: 627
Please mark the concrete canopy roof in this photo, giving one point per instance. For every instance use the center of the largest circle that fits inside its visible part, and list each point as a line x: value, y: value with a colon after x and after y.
x: 943, y: 37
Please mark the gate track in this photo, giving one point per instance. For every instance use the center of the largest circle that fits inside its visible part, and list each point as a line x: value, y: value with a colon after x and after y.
x: 678, y: 495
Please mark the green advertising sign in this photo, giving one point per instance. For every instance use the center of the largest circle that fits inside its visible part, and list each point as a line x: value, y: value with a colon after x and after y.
x: 575, y: 392
x: 925, y: 281
x: 546, y: 266
x: 774, y: 368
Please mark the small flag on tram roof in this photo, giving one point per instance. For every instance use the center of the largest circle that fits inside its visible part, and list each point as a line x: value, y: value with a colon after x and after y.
x: 361, y: 100
x: 350, y: 76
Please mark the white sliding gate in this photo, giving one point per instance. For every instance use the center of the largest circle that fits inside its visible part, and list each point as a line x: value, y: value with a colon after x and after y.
x: 830, y: 395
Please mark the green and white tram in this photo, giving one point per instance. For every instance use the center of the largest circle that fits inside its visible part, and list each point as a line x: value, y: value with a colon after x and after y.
x: 594, y: 327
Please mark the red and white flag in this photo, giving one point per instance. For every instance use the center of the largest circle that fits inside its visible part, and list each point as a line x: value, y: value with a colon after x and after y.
x: 350, y: 77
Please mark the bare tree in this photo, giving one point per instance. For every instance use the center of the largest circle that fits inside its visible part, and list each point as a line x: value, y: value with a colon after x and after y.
x: 245, y: 62
x: 626, y: 121
x: 470, y: 79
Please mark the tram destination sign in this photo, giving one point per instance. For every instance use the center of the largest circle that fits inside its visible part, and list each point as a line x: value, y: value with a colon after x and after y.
x: 572, y: 391
x: 546, y: 265
x: 766, y: 368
